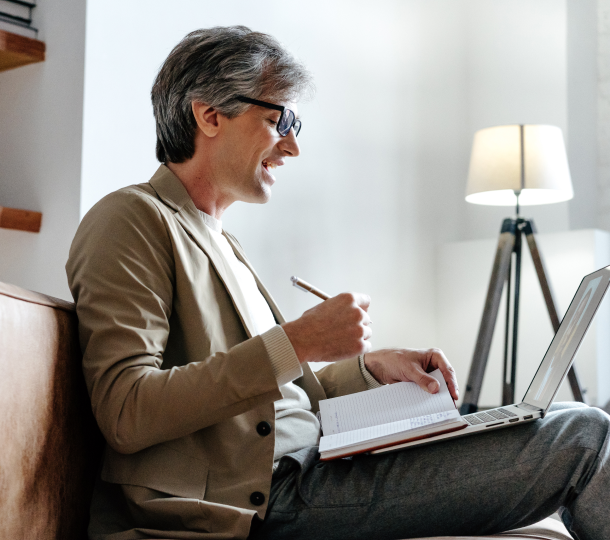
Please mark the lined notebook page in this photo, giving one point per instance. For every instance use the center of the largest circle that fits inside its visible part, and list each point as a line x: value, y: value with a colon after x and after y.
x: 390, y: 403
x: 341, y: 440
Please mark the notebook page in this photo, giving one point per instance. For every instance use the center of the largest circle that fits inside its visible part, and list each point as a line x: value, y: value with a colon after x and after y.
x: 341, y: 440
x: 384, y: 405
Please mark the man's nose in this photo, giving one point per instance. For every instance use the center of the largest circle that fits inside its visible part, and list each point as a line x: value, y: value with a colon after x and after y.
x: 289, y: 145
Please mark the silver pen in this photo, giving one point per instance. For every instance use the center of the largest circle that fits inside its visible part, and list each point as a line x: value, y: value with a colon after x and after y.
x: 308, y: 287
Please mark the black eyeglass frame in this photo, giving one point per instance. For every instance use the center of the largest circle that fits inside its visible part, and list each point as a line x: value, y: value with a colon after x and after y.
x: 294, y: 124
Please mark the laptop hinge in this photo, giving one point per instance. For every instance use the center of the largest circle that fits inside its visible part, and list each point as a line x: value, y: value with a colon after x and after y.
x: 528, y: 407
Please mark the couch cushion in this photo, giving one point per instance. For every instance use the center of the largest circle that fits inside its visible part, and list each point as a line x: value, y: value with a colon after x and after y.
x: 50, y: 447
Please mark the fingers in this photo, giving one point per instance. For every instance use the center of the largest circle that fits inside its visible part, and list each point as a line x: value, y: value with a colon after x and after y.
x: 368, y: 347
x: 335, y: 329
x: 423, y: 380
x: 439, y: 360
x: 354, y: 339
x: 367, y: 332
x: 364, y: 333
x: 428, y: 360
x: 358, y: 304
x: 363, y: 301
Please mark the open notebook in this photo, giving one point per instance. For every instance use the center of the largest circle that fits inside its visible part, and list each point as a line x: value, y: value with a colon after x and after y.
x: 386, y: 416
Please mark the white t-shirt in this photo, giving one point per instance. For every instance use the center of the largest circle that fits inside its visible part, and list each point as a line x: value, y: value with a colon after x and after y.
x: 296, y: 426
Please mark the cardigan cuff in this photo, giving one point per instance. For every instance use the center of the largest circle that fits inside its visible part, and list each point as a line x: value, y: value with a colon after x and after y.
x: 284, y: 362
x: 371, y: 382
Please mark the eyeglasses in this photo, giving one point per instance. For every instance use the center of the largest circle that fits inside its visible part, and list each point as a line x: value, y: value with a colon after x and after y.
x: 287, y: 118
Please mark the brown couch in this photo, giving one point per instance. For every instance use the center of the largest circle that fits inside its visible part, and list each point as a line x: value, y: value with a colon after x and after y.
x: 50, y: 446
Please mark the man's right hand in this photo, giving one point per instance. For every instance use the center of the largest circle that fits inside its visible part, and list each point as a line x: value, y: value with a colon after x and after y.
x: 336, y: 329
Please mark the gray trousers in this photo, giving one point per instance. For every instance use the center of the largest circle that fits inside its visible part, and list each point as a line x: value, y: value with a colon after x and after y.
x: 477, y: 485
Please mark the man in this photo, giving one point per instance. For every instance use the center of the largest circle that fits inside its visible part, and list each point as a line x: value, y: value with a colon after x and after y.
x: 203, y: 391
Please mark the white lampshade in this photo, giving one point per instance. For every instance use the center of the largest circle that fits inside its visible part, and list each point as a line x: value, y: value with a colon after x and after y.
x: 527, y: 159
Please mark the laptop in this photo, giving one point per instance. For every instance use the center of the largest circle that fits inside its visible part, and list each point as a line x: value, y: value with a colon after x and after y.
x: 550, y: 374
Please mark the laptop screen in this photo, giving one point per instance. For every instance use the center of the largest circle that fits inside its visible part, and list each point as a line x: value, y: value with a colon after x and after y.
x: 559, y: 356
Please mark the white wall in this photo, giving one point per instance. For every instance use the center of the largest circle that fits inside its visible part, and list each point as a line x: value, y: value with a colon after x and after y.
x: 582, y: 49
x: 603, y: 114
x: 40, y: 150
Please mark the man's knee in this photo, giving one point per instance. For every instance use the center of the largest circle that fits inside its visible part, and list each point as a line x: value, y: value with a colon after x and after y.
x: 561, y: 405
x: 594, y: 419
x: 584, y: 426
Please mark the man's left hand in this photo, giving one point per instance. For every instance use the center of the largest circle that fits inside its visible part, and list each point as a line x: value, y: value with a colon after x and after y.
x: 412, y: 365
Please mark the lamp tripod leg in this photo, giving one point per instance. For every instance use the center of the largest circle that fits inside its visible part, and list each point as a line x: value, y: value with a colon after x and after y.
x: 530, y: 233
x: 499, y: 276
x: 510, y: 377
x: 507, y: 364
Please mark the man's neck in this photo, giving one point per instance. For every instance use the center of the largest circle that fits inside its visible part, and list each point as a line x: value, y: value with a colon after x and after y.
x: 201, y: 188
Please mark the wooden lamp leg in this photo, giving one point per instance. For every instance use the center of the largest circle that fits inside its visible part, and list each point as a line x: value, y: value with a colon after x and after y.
x: 530, y: 233
x: 499, y: 275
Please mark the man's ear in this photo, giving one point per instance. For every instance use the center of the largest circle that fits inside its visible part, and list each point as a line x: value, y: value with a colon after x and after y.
x: 206, y: 118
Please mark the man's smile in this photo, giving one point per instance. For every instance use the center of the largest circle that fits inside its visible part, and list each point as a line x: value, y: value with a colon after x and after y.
x: 267, y: 164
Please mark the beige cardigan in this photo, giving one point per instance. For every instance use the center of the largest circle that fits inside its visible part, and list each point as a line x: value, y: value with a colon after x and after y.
x: 177, y: 383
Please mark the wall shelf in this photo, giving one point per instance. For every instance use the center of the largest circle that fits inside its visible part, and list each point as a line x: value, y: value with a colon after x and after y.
x: 21, y: 220
x: 18, y: 50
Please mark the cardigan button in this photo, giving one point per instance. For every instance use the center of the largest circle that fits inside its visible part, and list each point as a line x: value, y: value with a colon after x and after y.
x: 263, y: 429
x: 257, y: 498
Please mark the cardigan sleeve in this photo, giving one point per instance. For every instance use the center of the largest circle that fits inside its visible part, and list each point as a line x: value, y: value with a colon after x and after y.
x: 121, y: 272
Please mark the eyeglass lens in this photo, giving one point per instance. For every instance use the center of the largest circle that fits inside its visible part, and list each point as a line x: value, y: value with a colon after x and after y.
x: 287, y: 121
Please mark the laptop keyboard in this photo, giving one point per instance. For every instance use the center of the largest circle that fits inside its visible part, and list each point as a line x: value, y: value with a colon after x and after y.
x: 488, y: 416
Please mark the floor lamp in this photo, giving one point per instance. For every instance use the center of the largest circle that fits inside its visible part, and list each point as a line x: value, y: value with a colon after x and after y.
x: 515, y: 165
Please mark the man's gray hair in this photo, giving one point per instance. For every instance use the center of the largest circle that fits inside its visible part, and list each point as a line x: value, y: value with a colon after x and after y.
x: 214, y: 66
